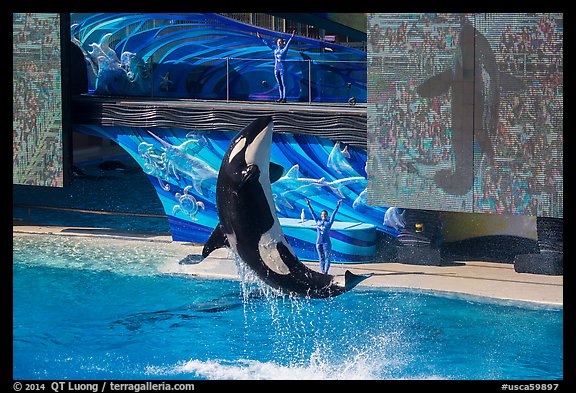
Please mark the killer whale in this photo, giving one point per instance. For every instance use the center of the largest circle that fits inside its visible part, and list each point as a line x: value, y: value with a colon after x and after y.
x: 248, y: 224
x: 475, y: 82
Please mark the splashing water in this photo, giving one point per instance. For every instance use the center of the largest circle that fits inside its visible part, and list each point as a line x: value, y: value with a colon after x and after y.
x: 302, y: 340
x: 253, y: 369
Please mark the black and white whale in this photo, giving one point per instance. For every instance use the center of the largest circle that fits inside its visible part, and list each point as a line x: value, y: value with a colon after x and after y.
x: 476, y: 83
x: 248, y: 224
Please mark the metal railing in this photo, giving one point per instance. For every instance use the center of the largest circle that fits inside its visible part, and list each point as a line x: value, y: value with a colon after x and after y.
x: 234, y: 78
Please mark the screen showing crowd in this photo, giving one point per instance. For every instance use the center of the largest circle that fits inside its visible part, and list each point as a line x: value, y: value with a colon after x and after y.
x: 465, y: 112
x: 37, y: 95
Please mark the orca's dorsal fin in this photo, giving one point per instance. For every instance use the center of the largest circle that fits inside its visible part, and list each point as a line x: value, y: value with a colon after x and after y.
x: 276, y: 172
x: 216, y: 240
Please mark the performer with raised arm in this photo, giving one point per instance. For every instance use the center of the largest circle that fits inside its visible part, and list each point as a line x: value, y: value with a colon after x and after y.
x: 323, y: 243
x: 280, y: 49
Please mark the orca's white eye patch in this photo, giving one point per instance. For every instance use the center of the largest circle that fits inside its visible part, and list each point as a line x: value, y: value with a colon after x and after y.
x: 237, y: 148
x: 258, y: 151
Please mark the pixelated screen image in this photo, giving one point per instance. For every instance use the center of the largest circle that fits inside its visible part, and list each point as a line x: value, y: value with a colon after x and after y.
x: 354, y: 20
x: 37, y: 95
x: 465, y: 112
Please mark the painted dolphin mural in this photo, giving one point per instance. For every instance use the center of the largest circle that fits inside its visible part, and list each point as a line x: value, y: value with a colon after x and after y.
x: 248, y: 223
x: 292, y: 187
x: 476, y: 83
x: 178, y: 159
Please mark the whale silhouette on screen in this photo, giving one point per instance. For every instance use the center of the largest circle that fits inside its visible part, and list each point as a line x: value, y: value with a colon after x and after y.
x: 476, y: 83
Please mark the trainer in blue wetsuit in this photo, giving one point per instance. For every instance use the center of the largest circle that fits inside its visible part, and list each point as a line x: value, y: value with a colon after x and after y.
x: 323, y: 244
x: 280, y: 50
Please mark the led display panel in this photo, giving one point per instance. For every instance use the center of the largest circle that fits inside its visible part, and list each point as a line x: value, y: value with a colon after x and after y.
x: 465, y: 112
x: 37, y: 100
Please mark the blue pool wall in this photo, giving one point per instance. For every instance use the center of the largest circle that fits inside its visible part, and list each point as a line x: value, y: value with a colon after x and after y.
x: 209, y: 56
x: 182, y: 165
x: 352, y: 242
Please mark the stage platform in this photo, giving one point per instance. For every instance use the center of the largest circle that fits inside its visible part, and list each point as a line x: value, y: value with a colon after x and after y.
x: 338, y: 121
x: 472, y: 279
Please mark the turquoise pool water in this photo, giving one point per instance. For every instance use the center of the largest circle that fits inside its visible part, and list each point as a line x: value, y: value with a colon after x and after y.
x: 95, y: 309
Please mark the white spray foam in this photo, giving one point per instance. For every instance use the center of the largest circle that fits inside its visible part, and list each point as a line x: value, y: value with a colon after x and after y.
x: 245, y: 369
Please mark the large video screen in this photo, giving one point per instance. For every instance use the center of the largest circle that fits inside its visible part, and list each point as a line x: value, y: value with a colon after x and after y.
x: 465, y: 112
x: 37, y: 106
x: 354, y: 20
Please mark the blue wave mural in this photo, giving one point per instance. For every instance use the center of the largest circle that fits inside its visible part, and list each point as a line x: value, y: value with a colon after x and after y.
x: 183, y: 167
x: 209, y: 56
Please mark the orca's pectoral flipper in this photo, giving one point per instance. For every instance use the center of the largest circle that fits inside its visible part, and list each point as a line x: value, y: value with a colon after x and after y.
x: 276, y: 172
x: 216, y: 240
x: 253, y: 172
x: 510, y: 83
x: 436, y: 85
x: 351, y: 279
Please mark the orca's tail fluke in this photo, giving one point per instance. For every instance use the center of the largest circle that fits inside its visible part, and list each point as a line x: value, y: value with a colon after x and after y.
x: 351, y: 279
